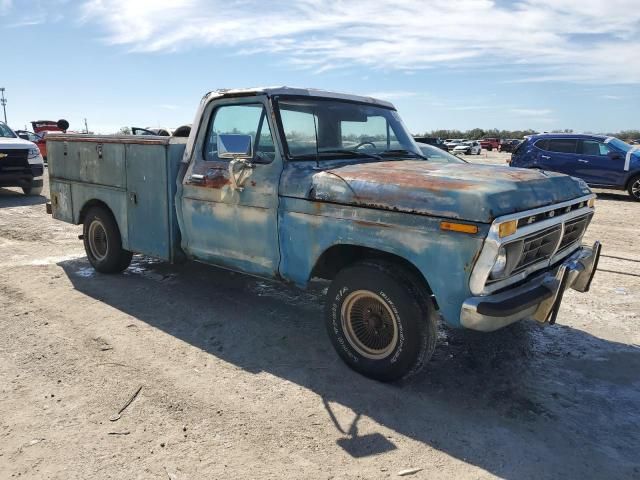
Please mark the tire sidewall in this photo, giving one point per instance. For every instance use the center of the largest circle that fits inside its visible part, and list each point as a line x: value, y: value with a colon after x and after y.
x: 405, y: 308
x: 114, y: 260
x: 630, y: 190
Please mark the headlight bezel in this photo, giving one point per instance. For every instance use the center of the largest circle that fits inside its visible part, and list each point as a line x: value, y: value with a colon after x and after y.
x: 501, y: 261
x: 34, y: 152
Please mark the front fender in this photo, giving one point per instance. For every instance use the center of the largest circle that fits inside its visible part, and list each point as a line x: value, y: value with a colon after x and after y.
x: 445, y: 259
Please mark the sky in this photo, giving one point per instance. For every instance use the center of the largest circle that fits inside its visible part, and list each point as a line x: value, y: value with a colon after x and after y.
x: 541, y: 64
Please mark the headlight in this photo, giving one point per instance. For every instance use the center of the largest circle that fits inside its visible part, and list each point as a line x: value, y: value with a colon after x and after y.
x: 500, y: 264
x: 33, y: 152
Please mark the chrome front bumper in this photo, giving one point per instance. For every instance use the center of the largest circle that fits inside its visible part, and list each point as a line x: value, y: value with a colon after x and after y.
x: 539, y: 298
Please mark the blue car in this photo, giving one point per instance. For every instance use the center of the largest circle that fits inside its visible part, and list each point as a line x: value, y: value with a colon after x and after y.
x: 604, y: 162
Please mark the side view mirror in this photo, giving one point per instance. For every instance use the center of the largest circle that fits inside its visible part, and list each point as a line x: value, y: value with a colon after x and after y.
x: 235, y: 146
x: 23, y: 136
x: 614, y: 155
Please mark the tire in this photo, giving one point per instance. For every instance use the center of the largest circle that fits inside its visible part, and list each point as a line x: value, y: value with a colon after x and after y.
x: 405, y: 321
x: 634, y: 188
x: 103, y: 243
x: 32, y: 191
x: 489, y: 148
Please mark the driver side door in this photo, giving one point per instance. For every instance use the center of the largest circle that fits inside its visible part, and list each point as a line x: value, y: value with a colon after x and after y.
x: 599, y: 164
x: 233, y: 228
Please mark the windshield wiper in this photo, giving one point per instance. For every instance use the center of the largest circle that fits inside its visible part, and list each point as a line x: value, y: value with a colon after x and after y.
x: 403, y: 152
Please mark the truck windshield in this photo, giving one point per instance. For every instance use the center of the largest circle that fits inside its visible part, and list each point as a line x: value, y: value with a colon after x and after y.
x: 332, y: 128
x: 6, y: 132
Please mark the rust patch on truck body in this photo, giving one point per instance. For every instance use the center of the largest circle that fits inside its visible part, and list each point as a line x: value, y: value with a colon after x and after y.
x: 466, y: 192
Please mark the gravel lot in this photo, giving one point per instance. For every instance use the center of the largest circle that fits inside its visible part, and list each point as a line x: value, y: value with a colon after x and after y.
x: 238, y: 379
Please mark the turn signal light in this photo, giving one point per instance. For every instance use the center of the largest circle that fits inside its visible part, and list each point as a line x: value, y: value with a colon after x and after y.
x: 459, y: 227
x: 507, y: 228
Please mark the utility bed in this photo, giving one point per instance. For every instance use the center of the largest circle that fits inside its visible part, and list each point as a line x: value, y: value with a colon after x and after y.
x: 134, y: 176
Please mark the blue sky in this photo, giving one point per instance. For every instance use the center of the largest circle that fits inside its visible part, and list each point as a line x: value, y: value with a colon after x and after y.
x: 542, y: 64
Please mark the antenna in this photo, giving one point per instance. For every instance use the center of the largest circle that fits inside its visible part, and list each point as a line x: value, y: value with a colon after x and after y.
x: 3, y: 102
x: 315, y: 129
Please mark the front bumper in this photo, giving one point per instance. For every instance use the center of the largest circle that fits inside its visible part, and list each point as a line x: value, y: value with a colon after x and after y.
x: 539, y: 298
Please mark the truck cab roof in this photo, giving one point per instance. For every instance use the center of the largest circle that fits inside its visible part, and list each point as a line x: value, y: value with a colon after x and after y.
x: 300, y: 92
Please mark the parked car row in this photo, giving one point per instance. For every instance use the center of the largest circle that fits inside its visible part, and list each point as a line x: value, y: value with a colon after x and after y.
x: 473, y: 147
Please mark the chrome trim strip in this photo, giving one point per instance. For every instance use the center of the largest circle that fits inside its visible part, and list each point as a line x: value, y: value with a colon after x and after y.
x: 493, y: 242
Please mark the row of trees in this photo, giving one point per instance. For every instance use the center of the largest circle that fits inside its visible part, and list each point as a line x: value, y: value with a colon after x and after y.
x: 478, y: 133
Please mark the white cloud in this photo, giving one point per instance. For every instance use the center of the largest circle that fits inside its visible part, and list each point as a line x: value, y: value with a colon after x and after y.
x: 5, y: 6
x: 532, y: 112
x: 612, y: 97
x: 542, y: 40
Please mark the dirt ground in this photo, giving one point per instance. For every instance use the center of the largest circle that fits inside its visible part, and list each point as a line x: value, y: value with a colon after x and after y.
x: 238, y: 378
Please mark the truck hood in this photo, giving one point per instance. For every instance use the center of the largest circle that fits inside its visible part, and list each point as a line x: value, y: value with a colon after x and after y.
x: 13, y: 143
x: 477, y: 193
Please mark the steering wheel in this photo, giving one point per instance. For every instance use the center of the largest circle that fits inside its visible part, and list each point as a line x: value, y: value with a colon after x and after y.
x: 362, y: 144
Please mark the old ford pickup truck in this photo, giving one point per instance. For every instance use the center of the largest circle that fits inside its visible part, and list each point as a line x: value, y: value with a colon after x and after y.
x: 295, y: 184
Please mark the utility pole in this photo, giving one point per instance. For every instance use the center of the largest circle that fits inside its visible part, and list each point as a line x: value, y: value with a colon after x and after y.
x: 86, y: 127
x: 3, y: 102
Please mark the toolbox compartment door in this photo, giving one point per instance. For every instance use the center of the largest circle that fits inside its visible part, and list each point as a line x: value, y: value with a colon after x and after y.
x: 147, y: 210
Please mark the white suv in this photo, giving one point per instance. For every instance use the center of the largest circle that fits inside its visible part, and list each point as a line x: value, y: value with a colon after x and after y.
x: 21, y: 164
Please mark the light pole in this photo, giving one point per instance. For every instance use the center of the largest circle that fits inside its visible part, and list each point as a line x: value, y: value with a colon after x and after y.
x: 3, y: 102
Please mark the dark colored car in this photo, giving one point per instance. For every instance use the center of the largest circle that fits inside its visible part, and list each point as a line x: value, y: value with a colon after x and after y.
x: 605, y: 162
x: 436, y: 142
x: 509, y: 145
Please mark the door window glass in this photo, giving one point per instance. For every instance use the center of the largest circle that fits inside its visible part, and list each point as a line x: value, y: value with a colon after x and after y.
x: 593, y: 147
x: 247, y: 119
x: 562, y: 145
x: 542, y: 144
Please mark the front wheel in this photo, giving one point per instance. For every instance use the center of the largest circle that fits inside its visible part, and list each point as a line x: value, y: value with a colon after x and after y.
x: 102, y: 242
x: 634, y: 188
x: 380, y: 320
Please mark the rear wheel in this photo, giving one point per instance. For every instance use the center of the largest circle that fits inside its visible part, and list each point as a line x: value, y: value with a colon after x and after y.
x: 32, y: 190
x: 634, y: 188
x: 380, y: 320
x: 103, y: 243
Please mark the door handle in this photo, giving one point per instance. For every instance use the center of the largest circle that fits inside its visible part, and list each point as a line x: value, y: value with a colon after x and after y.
x: 583, y: 161
x: 545, y: 156
x: 196, y: 178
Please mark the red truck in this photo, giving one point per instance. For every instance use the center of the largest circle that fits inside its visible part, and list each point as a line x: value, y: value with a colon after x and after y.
x: 490, y: 143
x: 44, y: 127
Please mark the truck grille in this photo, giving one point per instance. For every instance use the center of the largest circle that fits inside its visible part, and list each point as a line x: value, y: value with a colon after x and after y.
x: 573, y: 231
x: 538, y: 246
x: 15, y: 161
